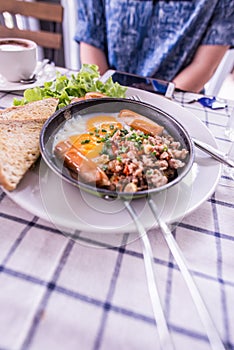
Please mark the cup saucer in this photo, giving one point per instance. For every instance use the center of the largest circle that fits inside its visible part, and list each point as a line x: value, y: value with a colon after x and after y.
x: 48, y: 74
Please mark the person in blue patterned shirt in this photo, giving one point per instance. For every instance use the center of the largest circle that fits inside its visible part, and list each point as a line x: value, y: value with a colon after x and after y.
x: 181, y: 41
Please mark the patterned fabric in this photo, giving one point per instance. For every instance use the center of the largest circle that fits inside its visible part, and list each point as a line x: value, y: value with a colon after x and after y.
x: 154, y: 38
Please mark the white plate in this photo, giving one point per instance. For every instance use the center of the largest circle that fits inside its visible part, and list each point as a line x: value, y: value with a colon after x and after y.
x: 44, y: 194
x: 48, y: 74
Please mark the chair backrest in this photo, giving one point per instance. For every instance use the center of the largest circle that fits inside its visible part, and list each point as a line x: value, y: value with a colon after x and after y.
x: 44, y: 12
x: 225, y: 67
x: 71, y: 47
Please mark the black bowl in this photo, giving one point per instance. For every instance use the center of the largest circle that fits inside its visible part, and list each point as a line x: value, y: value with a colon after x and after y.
x: 111, y: 105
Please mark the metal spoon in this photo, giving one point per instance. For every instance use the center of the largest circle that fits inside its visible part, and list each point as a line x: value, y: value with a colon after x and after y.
x: 33, y: 78
x: 205, y: 147
x: 214, y: 152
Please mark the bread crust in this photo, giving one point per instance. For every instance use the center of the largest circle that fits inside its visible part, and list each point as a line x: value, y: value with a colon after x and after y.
x: 34, y: 110
x: 20, y: 129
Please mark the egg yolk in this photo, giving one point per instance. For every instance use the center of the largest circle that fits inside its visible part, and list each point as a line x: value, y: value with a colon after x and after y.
x: 87, y: 144
x: 103, y: 125
x: 91, y: 143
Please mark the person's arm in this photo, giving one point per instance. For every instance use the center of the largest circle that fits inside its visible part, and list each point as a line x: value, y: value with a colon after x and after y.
x: 92, y: 55
x: 200, y: 70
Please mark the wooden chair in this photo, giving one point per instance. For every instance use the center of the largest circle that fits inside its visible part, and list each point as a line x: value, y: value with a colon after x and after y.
x: 48, y: 15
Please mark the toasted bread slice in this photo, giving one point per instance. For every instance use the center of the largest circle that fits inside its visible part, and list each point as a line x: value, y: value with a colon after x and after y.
x: 19, y: 145
x: 41, y: 109
x: 20, y: 129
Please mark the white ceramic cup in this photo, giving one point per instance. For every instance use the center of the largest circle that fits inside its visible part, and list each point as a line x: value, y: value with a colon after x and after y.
x: 18, y: 58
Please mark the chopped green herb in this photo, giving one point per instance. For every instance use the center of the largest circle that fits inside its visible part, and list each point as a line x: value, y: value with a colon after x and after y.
x: 85, y: 141
x: 114, y: 131
x: 104, y: 167
x: 123, y: 149
x: 104, y: 139
x: 119, y: 158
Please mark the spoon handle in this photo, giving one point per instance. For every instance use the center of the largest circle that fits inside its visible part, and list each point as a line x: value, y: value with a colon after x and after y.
x: 213, y: 336
x: 165, y: 338
x: 40, y: 67
x: 213, y: 152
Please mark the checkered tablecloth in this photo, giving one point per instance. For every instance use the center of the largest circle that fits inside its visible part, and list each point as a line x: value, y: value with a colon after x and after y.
x: 57, y: 293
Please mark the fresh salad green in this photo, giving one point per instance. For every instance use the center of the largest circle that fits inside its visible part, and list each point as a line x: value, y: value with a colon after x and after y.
x: 64, y: 88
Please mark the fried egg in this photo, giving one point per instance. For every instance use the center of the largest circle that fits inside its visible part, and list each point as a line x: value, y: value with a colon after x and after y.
x: 88, y: 134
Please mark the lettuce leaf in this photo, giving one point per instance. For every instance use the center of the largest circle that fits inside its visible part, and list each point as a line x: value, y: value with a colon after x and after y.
x: 64, y: 88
